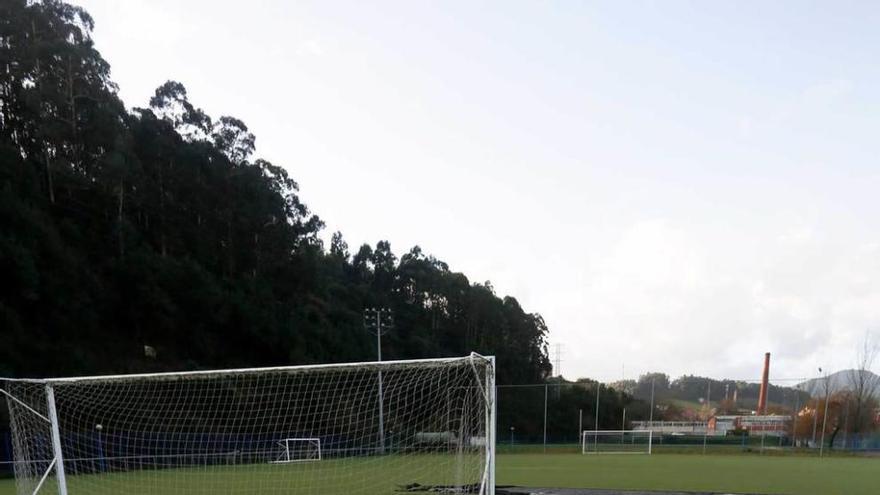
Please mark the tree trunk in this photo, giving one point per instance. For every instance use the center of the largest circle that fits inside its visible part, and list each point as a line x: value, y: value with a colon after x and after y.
x: 833, y: 436
x: 199, y: 182
x: 163, y: 248
x: 256, y: 255
x: 75, y: 146
x: 857, y: 416
x: 230, y: 230
x: 71, y: 101
x: 119, y: 215
x: 49, y: 182
x: 230, y: 251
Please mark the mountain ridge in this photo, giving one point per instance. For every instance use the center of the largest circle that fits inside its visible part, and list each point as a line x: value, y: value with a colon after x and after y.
x: 837, y: 381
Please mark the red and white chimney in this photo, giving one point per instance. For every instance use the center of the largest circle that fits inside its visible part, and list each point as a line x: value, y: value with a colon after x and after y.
x: 765, y: 379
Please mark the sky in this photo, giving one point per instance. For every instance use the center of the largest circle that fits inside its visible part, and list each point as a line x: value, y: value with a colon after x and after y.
x: 674, y: 186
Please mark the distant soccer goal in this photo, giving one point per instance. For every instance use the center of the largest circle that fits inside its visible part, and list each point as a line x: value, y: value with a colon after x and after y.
x: 298, y: 450
x: 616, y: 441
x: 346, y: 429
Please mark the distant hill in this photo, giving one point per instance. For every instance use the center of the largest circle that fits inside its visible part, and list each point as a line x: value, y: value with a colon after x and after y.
x: 837, y: 381
x: 689, y: 392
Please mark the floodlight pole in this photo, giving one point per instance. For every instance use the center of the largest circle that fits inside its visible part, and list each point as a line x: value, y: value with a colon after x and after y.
x: 651, y: 413
x: 824, y: 416
x: 545, y: 418
x: 709, y: 410
x: 580, y: 423
x: 381, y: 406
x: 596, y: 428
x: 373, y: 322
x: 815, y: 420
x: 797, y: 407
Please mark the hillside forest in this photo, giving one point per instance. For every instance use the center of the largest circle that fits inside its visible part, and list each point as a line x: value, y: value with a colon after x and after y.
x: 159, y: 226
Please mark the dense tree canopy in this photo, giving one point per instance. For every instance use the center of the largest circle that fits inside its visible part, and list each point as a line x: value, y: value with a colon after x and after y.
x: 158, y: 227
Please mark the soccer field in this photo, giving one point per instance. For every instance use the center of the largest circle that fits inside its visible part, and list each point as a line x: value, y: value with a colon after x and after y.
x: 689, y: 472
x: 713, y: 473
x: 350, y: 476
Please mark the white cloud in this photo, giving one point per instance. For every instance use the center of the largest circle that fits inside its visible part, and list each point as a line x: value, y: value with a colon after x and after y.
x: 310, y: 48
x: 814, y: 105
x: 669, y: 297
x: 828, y: 91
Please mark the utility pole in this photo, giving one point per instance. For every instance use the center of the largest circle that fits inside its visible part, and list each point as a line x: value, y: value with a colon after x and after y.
x: 651, y: 413
x: 797, y: 406
x: 824, y: 416
x: 545, y: 418
x: 379, y: 321
x: 596, y: 428
x: 709, y: 412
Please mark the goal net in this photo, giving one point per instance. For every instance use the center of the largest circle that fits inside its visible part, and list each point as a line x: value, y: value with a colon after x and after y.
x: 362, y: 427
x: 299, y: 450
x: 616, y: 441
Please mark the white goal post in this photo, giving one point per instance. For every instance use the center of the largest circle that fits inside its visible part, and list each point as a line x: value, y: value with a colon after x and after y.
x: 298, y: 450
x: 616, y: 441
x: 253, y: 430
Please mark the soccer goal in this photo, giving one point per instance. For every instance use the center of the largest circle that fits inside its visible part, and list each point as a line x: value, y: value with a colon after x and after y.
x: 298, y: 450
x: 259, y: 430
x: 616, y: 441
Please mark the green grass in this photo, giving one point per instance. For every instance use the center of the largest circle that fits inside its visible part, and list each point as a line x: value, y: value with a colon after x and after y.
x: 351, y: 476
x: 796, y: 475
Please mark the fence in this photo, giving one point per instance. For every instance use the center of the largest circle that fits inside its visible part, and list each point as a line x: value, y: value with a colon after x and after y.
x: 550, y: 417
x: 554, y: 414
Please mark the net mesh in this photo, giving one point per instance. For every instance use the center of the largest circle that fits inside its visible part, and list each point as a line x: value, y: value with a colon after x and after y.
x: 616, y: 442
x: 31, y: 435
x: 219, y: 432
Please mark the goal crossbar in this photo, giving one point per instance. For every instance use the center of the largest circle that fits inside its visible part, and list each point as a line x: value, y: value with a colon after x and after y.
x: 379, y: 365
x: 617, y: 441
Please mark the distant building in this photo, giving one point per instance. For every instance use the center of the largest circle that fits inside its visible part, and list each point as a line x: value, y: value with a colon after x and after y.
x: 721, y: 425
x: 672, y: 427
x: 770, y: 425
